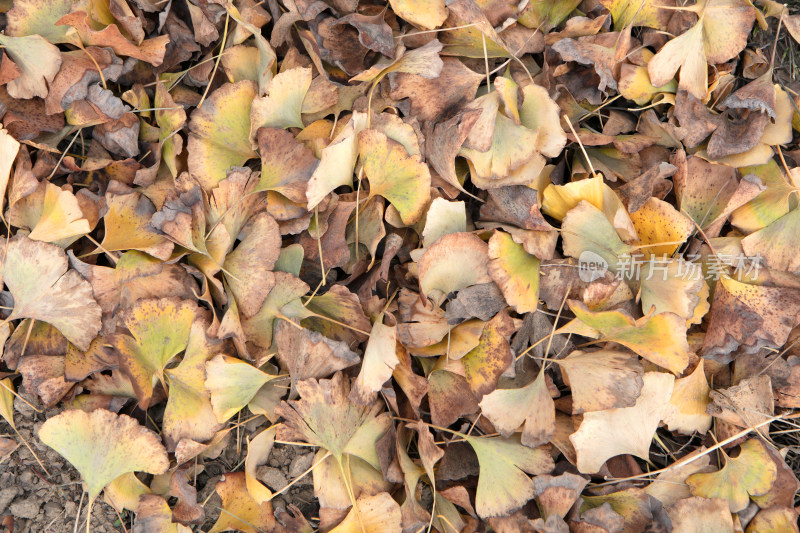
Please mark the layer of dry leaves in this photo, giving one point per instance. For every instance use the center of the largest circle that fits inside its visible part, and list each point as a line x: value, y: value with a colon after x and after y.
x: 367, y: 225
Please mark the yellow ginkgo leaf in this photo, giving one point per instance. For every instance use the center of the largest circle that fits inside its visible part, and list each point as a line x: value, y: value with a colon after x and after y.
x: 428, y: 14
x: 540, y: 113
x: 61, y: 217
x: 265, y: 62
x: 661, y: 338
x: 435, y: 266
x: 337, y: 162
x: 546, y: 15
x: 634, y: 83
x: 774, y: 520
x: 484, y: 364
x: 503, y: 485
x: 102, y: 446
x: 9, y: 147
x: 124, y: 492
x: 378, y: 363
x: 374, y: 514
x: 189, y: 413
x: 670, y: 486
x: 44, y: 289
x: 240, y: 512
x: 127, y: 224
x: 258, y: 450
x: 219, y: 133
x: 7, y: 401
x: 774, y: 244
x: 515, y: 271
x: 631, y: 507
x: 606, y: 434
x: 240, y: 63
x: 469, y: 32
x: 710, y: 199
x: 232, y: 384
x: 443, y: 218
x: 718, y: 36
x: 160, y: 331
x: 751, y: 473
x: 153, y: 514
x: 332, y: 479
x: 588, y: 235
x: 282, y: 107
x: 772, y: 203
x: 688, y: 404
x: 559, y: 199
x: 507, y: 89
x: 38, y: 62
x: 423, y: 61
x: 32, y: 17
x: 512, y: 145
x: 647, y: 13
x: 660, y: 227
x: 402, y: 179
x: 458, y: 342
x: 170, y: 119
x: 259, y: 327
x: 674, y: 286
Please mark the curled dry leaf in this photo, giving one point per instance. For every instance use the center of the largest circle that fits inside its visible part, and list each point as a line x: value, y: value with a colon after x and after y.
x: 380, y: 360
x: 153, y: 514
x: 309, y: 354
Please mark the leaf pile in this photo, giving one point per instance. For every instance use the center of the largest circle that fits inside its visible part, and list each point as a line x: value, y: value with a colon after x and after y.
x: 504, y: 265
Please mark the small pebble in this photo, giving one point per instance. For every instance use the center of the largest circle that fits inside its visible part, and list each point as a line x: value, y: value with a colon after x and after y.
x: 7, y: 495
x: 52, y: 510
x: 272, y: 477
x: 300, y: 464
x: 26, y: 508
